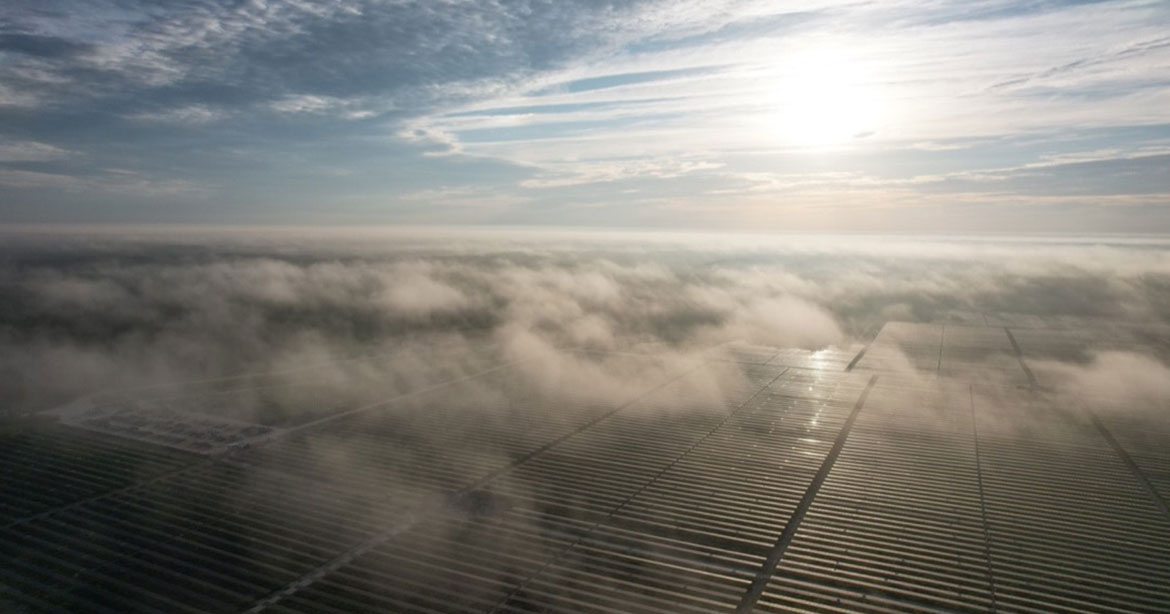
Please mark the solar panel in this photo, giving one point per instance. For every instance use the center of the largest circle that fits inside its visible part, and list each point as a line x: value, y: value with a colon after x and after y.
x: 925, y: 472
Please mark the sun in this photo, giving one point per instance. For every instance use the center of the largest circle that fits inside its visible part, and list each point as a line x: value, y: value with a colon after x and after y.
x: 825, y: 97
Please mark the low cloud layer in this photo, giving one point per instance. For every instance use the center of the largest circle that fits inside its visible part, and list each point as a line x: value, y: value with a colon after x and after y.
x: 1112, y: 375
x: 85, y: 313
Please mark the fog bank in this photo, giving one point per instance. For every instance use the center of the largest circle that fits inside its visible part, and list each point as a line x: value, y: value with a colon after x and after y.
x: 87, y: 311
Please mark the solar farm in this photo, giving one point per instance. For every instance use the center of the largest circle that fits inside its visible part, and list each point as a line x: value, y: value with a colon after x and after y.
x: 932, y: 469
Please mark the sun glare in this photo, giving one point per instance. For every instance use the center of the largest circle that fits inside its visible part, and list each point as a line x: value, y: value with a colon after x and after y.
x: 825, y: 98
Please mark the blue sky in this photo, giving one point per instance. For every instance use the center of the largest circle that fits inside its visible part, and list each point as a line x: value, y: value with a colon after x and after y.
x: 761, y: 115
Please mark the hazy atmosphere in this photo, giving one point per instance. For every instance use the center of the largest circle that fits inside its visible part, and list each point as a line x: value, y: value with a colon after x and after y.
x: 126, y: 307
x: 627, y: 306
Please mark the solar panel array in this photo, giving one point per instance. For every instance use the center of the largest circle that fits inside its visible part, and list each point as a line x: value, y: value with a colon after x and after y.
x: 833, y: 481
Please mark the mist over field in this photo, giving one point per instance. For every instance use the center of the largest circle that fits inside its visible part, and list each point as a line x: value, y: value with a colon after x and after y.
x: 532, y: 419
x: 92, y: 311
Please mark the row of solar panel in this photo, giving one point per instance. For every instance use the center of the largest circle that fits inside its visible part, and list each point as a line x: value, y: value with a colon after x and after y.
x: 944, y: 497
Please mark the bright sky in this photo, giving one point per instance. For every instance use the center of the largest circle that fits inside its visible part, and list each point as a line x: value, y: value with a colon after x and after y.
x: 756, y: 114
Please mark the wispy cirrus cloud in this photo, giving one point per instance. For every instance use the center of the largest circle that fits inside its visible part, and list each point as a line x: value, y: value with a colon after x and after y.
x: 633, y: 103
x: 30, y: 151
